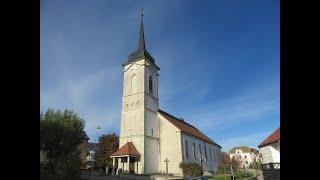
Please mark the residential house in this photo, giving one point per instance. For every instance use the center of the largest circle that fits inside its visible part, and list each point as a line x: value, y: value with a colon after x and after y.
x: 245, y: 155
x: 270, y: 148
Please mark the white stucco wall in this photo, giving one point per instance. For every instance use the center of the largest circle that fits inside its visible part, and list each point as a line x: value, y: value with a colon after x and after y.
x: 154, y: 137
x: 139, y: 115
x: 245, y: 158
x: 208, y: 163
x: 151, y: 161
x: 170, y: 147
x: 138, y: 142
x: 271, y: 153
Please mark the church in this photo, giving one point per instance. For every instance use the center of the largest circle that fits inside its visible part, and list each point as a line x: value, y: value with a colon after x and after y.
x: 151, y: 140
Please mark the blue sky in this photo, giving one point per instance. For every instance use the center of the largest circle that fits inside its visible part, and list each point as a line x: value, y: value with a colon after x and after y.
x: 219, y: 62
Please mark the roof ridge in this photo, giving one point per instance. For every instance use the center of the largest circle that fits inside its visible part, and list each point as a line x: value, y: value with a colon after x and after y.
x: 198, y: 134
x: 273, y: 137
x: 179, y: 119
x: 127, y: 149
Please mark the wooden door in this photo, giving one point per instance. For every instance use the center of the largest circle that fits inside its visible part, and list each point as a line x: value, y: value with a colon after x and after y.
x: 131, y: 167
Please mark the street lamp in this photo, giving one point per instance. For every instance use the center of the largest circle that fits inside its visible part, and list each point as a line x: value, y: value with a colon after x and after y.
x: 94, y: 150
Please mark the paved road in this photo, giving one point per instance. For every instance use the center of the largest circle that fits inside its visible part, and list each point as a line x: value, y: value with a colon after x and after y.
x: 95, y: 176
x: 259, y: 175
x: 88, y: 177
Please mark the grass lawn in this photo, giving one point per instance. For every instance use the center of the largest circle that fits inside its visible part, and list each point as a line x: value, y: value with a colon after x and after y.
x: 220, y: 177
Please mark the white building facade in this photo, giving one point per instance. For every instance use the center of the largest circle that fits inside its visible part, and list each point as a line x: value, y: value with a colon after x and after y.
x: 270, y: 148
x: 152, y: 140
x: 246, y: 157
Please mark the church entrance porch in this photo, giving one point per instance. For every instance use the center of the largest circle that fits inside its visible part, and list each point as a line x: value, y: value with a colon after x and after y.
x: 128, y: 157
x: 127, y: 164
x: 131, y: 165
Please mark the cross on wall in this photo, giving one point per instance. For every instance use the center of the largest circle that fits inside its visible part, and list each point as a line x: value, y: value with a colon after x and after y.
x: 166, y: 161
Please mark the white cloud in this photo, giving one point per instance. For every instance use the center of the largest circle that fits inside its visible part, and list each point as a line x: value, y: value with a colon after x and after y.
x: 241, y: 109
x: 252, y: 104
x: 82, y: 96
x: 251, y: 140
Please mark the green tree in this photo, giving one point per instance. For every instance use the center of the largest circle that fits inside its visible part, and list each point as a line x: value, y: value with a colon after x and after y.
x: 107, y: 145
x: 60, y: 135
x: 224, y: 162
x: 236, y: 164
x: 255, y: 165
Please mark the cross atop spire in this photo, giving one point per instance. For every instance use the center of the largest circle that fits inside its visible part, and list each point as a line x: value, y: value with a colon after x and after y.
x: 141, y: 12
x: 141, y: 52
x: 141, y: 44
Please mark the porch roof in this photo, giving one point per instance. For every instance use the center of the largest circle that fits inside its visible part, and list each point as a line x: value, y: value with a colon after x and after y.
x: 126, y: 150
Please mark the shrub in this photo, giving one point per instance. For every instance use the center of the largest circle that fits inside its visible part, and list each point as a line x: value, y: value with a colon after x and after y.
x: 191, y: 169
x: 242, y: 174
x: 255, y: 165
x: 223, y: 170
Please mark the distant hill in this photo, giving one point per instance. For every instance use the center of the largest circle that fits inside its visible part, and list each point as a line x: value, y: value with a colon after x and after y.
x: 244, y: 149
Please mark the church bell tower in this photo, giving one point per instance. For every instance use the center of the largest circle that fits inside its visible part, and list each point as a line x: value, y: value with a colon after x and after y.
x: 139, y: 112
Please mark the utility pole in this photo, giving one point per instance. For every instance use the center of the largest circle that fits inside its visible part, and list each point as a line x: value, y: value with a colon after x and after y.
x: 94, y: 150
x: 232, y: 175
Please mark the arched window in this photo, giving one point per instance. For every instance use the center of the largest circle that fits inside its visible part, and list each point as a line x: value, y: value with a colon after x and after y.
x: 134, y: 84
x: 150, y: 84
x: 194, y: 151
x: 205, y: 152
x: 186, y: 144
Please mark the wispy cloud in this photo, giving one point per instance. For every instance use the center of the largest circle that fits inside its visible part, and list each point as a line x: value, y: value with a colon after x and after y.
x: 251, y: 140
x: 82, y: 95
x: 237, y: 110
x: 83, y: 45
x: 229, y: 119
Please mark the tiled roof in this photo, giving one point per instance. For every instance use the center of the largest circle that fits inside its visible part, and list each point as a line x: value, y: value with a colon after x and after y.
x: 126, y: 150
x: 186, y: 127
x: 244, y: 149
x: 275, y: 136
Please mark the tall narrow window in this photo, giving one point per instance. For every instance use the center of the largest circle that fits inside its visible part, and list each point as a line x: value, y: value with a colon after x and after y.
x: 151, y: 131
x: 210, y: 153
x: 134, y: 84
x: 205, y: 152
x: 150, y: 84
x: 217, y: 154
x: 214, y: 155
x: 194, y: 151
x: 186, y: 144
x: 200, y: 150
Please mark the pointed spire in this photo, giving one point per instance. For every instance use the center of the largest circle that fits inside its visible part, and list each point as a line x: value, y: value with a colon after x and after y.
x: 141, y: 44
x: 140, y: 52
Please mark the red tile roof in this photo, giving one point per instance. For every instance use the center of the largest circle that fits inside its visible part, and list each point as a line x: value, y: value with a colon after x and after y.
x: 275, y: 136
x: 186, y: 127
x: 127, y: 150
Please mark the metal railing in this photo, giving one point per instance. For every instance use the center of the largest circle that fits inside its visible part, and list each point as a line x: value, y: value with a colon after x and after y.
x: 271, y: 171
